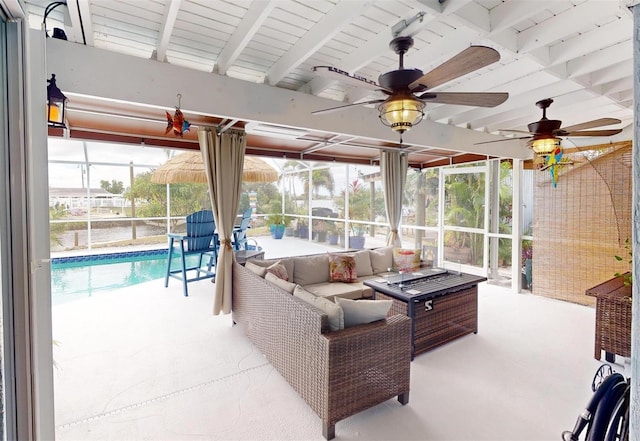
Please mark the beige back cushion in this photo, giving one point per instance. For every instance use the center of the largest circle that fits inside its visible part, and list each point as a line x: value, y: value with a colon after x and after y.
x: 287, y: 286
x: 363, y: 263
x: 381, y: 259
x: 310, y: 270
x: 287, y: 262
x: 259, y: 270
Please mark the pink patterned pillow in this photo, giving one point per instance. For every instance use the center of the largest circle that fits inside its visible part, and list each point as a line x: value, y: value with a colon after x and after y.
x: 406, y: 260
x: 342, y: 268
x: 279, y: 270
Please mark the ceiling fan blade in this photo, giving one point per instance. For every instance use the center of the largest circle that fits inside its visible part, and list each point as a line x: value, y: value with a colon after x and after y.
x: 476, y: 99
x: 333, y: 109
x: 514, y: 131
x: 333, y: 73
x: 469, y: 60
x: 502, y: 140
x: 610, y: 132
x: 591, y: 124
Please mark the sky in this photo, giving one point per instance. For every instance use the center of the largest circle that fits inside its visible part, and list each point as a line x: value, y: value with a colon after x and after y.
x: 99, y: 154
x: 103, y: 155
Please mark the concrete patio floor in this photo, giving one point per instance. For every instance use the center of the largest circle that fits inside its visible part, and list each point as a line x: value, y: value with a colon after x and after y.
x: 145, y: 362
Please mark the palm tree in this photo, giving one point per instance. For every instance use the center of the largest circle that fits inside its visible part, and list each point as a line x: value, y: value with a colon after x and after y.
x: 322, y: 178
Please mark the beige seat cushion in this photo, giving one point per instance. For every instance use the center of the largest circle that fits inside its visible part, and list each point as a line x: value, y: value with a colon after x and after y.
x: 340, y: 289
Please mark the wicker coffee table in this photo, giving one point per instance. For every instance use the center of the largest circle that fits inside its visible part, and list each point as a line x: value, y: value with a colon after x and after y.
x: 442, y: 305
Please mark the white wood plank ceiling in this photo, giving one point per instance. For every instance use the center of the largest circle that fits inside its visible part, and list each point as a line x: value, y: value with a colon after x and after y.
x: 578, y: 52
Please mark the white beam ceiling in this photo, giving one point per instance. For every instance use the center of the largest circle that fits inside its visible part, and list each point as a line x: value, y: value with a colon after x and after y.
x: 166, y: 28
x: 256, y: 15
x: 91, y: 72
x: 577, y: 50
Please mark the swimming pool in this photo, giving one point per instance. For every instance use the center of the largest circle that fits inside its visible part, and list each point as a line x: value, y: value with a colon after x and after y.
x: 79, y: 277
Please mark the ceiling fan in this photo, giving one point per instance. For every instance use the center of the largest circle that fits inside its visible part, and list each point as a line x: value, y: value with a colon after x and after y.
x: 408, y: 90
x: 545, y: 133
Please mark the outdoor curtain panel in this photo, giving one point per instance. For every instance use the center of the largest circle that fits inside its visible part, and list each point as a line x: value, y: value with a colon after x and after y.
x: 393, y: 166
x: 223, y: 156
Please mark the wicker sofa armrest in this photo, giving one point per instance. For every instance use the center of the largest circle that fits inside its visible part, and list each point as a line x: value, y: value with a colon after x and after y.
x: 364, y: 332
x: 368, y: 364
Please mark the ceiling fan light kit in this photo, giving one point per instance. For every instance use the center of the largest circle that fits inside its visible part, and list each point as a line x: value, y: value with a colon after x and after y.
x: 401, y: 112
x: 544, y: 134
x: 544, y: 146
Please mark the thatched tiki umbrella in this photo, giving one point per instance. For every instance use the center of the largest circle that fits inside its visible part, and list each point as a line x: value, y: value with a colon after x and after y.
x: 188, y: 167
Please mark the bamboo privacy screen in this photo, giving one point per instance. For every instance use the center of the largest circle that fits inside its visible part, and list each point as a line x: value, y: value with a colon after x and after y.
x: 581, y: 224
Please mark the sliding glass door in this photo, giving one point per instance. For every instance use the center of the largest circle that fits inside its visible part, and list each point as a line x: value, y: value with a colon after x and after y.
x: 7, y: 428
x: 26, y: 394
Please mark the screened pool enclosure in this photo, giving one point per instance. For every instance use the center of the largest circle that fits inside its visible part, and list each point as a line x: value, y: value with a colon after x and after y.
x: 474, y: 217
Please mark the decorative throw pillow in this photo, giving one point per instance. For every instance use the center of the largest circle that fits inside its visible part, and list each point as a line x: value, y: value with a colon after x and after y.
x: 280, y: 283
x: 406, y: 260
x: 342, y: 268
x: 357, y: 312
x: 331, y: 309
x: 259, y: 270
x: 278, y: 270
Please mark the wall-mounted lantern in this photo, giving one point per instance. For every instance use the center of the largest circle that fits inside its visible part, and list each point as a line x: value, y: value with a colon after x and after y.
x: 56, y: 104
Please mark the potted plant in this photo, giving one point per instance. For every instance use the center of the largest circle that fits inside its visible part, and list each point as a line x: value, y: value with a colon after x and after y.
x: 303, y: 229
x: 356, y: 239
x: 527, y: 260
x: 333, y: 234
x: 321, y: 231
x: 276, y: 225
x: 288, y: 229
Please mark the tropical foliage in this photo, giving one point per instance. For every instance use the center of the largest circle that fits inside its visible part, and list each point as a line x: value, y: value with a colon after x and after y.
x: 151, y: 199
x: 464, y: 207
x: 115, y: 187
x: 628, y: 276
x: 56, y: 229
x: 267, y: 196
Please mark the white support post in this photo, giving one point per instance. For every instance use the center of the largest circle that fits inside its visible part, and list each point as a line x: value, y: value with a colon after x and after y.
x: 634, y: 432
x: 88, y: 165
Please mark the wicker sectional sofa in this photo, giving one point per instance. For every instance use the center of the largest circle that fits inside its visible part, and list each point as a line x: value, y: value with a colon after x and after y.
x: 338, y: 373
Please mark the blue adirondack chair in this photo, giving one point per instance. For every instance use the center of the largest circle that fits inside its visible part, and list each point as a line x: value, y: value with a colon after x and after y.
x: 240, y: 231
x: 200, y: 240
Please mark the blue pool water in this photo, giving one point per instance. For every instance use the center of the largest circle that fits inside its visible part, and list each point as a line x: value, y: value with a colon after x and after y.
x: 78, y: 277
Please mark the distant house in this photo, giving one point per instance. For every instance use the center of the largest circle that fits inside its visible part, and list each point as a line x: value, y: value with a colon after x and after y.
x: 76, y: 198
